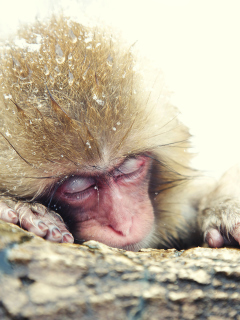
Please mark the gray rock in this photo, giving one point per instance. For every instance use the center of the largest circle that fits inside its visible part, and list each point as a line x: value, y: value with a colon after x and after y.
x: 44, y: 280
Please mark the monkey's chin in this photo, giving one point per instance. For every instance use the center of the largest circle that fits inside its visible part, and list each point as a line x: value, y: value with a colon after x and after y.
x: 145, y: 243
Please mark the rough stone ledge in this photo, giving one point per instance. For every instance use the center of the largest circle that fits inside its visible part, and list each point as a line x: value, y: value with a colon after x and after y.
x: 43, y: 280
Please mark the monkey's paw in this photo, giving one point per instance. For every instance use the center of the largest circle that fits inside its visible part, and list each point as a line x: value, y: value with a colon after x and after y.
x: 221, y: 224
x: 36, y: 218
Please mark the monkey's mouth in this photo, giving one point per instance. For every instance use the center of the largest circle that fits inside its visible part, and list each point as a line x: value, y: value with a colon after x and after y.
x: 120, y: 233
x: 133, y: 239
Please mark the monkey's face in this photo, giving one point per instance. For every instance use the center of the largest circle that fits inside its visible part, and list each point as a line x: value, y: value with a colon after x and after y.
x: 111, y: 206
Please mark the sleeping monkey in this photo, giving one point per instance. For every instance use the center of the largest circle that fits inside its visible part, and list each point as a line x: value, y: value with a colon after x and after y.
x: 92, y: 150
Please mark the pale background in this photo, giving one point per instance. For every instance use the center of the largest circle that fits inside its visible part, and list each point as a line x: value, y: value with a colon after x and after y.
x: 196, y: 43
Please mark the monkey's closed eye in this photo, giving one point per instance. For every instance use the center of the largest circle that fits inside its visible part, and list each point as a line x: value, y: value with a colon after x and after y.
x: 77, y: 184
x: 130, y: 168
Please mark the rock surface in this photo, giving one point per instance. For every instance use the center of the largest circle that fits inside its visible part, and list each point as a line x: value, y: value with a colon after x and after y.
x: 43, y: 280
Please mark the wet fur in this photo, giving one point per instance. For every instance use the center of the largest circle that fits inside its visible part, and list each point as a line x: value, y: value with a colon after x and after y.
x: 91, y: 110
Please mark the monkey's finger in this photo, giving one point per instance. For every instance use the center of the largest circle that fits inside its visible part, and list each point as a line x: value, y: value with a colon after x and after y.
x: 39, y: 209
x: 28, y: 221
x: 46, y: 213
x: 58, y: 233
x: 67, y: 238
x: 214, y: 238
x: 53, y: 233
x: 7, y: 214
x: 56, y: 229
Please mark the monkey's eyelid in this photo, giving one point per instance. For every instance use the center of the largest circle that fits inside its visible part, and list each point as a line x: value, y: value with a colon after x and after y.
x: 77, y: 184
x: 129, y: 166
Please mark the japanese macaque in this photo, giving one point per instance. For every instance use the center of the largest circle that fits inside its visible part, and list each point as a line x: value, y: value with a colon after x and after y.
x: 91, y: 149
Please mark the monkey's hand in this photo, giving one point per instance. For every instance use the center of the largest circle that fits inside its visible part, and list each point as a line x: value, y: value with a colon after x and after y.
x: 219, y: 215
x: 36, y: 218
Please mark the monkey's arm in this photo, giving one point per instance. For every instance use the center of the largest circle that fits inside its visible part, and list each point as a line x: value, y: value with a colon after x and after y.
x: 35, y: 218
x: 219, y: 211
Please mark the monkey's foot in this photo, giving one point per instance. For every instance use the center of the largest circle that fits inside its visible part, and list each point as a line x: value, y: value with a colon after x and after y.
x: 221, y: 224
x: 36, y: 218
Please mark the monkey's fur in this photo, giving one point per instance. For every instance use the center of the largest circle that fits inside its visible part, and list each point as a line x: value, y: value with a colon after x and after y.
x: 71, y: 97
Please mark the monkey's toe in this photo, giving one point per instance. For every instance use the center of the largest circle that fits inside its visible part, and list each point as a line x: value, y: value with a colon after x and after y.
x: 221, y: 223
x: 214, y: 238
x: 218, y: 239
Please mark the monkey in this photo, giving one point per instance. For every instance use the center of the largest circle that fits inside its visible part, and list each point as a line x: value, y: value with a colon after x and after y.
x: 92, y: 149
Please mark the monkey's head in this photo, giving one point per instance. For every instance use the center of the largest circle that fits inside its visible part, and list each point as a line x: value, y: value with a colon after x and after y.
x: 83, y: 132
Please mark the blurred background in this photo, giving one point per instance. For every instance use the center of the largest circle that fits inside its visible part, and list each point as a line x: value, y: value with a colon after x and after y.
x: 196, y: 43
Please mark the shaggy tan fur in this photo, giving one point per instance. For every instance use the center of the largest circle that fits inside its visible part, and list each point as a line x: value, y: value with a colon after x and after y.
x: 73, y: 98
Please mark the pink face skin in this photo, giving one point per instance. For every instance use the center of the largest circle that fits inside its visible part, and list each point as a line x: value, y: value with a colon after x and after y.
x: 112, y: 207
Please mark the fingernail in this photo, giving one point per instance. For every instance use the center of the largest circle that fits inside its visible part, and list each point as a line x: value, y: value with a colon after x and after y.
x: 56, y: 233
x: 12, y: 214
x: 68, y: 238
x: 42, y: 226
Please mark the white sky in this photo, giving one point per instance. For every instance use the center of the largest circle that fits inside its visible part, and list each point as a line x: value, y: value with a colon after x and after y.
x: 195, y: 42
